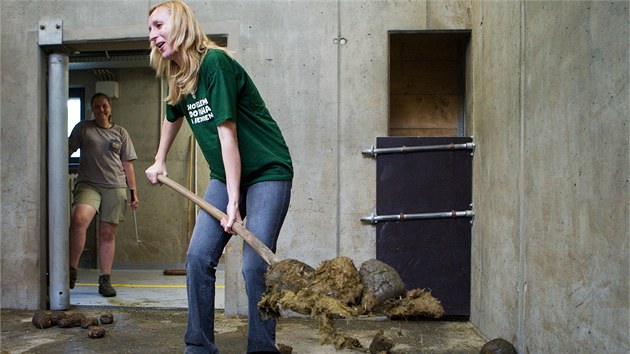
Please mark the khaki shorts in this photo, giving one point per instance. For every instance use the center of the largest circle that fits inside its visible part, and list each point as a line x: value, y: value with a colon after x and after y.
x: 109, y: 203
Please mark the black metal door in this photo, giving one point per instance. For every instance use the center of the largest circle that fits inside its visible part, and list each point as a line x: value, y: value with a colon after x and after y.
x: 431, y: 253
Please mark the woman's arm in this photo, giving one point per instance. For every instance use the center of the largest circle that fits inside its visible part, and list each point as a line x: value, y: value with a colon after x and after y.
x: 232, y: 164
x: 131, y: 183
x: 169, y: 132
x: 73, y: 140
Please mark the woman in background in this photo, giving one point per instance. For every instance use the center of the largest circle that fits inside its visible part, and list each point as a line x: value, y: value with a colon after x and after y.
x: 105, y: 172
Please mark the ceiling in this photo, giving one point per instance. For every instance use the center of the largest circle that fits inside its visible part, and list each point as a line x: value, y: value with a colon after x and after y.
x: 108, y: 54
x: 129, y: 53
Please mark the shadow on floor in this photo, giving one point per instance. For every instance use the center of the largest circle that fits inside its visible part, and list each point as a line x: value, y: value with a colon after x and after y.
x: 150, y: 316
x: 146, y: 330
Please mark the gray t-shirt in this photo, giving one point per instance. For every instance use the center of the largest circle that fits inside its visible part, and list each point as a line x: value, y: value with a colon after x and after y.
x: 102, y: 153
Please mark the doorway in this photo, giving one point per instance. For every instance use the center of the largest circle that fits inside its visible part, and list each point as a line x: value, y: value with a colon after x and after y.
x: 427, y: 83
x: 424, y: 170
x: 156, y: 237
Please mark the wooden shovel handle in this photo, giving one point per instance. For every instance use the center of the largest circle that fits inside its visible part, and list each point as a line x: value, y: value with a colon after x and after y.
x: 238, y: 227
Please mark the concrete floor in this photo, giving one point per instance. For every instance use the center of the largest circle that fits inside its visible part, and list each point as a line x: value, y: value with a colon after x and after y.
x: 150, y: 317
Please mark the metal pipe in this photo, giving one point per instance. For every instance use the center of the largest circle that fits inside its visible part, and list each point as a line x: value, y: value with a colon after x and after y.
x: 373, y: 219
x: 373, y: 152
x: 58, y: 197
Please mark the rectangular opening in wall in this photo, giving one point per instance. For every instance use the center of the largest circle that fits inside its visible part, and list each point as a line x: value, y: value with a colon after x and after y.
x: 427, y: 83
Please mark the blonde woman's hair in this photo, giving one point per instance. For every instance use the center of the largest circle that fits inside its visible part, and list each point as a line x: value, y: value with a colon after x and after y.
x: 187, y: 37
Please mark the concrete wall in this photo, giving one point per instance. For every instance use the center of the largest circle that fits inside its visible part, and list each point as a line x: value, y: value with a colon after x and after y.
x: 322, y: 69
x: 547, y: 105
x: 329, y: 97
x: 550, y: 239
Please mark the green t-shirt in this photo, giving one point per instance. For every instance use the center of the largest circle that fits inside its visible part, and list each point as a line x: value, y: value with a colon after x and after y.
x: 225, y: 91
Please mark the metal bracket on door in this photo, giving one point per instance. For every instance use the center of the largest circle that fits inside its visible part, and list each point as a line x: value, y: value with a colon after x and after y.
x: 374, y: 219
x: 374, y: 152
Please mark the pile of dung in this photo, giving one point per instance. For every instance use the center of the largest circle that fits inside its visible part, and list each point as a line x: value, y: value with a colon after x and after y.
x: 498, y: 346
x: 382, y: 285
x: 417, y: 302
x: 381, y: 343
x: 385, y: 294
x: 328, y: 334
x: 45, y: 319
x: 333, y: 288
x: 289, y: 274
x: 336, y: 289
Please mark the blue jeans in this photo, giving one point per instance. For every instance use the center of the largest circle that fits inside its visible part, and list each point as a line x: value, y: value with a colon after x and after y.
x: 264, y: 206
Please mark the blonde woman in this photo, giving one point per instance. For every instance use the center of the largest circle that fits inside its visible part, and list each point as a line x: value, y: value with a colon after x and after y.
x: 250, y: 165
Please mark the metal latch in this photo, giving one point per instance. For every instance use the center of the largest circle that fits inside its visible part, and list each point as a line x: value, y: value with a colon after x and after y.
x: 374, y: 152
x: 373, y: 219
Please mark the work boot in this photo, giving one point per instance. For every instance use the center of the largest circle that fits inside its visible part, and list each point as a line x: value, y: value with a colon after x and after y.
x: 105, y: 287
x: 73, y: 277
